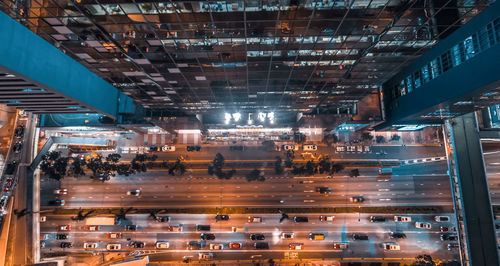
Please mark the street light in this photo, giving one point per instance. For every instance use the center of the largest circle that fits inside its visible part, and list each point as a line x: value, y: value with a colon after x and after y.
x: 236, y: 117
x: 227, y: 116
x: 262, y: 116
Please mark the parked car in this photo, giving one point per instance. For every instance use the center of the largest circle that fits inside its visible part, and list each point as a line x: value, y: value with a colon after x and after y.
x: 442, y: 218
x: 405, y: 219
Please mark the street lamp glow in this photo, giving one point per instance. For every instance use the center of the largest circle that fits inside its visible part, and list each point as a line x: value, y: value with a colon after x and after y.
x: 227, y: 116
x: 236, y: 117
x: 250, y: 121
x: 262, y: 117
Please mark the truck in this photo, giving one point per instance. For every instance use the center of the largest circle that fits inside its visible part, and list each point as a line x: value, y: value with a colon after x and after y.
x: 385, y: 171
x: 110, y: 220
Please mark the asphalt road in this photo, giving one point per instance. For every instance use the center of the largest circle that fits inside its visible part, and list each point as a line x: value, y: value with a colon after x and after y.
x: 422, y: 184
x: 419, y: 241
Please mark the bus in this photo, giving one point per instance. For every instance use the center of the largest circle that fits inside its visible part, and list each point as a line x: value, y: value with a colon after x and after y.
x: 109, y: 220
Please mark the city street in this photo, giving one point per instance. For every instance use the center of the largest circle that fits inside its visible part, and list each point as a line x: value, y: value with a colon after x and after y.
x: 419, y: 241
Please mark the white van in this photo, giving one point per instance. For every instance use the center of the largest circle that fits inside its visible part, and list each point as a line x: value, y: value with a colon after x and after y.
x: 309, y: 147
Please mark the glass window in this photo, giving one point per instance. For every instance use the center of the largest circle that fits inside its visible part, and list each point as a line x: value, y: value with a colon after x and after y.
x: 130, y: 8
x: 417, y: 79
x: 456, y: 55
x: 409, y: 84
x: 446, y: 61
x: 469, y: 48
x: 435, y: 68
x: 425, y: 74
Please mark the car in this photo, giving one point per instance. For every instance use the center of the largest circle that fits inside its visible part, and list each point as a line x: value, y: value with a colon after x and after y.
x: 306, y: 182
x: 175, y: 228
x: 442, y: 218
x: 261, y: 245
x: 137, y: 244
x: 237, y: 229
x: 43, y: 219
x: 235, y: 245
x: 360, y: 237
x: 17, y: 147
x: 113, y: 246
x: 167, y: 148
x: 397, y: 235
x: 296, y: 246
x: 66, y: 245
x: 90, y: 245
x: 390, y: 246
x: 448, y: 237
x: 135, y: 192
x: 309, y: 147
x: 404, y: 219
x: 377, y: 219
x: 202, y: 227
x: 162, y: 244
x: 115, y: 235
x: 451, y: 246
x: 194, y: 245
x: 61, y: 191
x: 300, y: 219
x: 131, y: 227
x: 64, y: 228
x: 10, y: 167
x: 323, y: 218
x: 340, y: 245
x: 62, y: 236
x: 357, y: 199
x: 162, y: 219
x: 57, y: 202
x: 445, y: 229
x: 19, y: 131
x: 153, y: 148
x: 257, y: 237
x: 93, y: 227
x: 287, y: 235
x: 221, y: 217
x: 207, y: 236
x: 288, y: 147
x: 423, y: 225
x: 324, y: 190
x: 252, y: 219
x: 316, y: 236
x: 205, y: 256
x: 216, y: 246
x: 193, y: 148
x: 8, y: 184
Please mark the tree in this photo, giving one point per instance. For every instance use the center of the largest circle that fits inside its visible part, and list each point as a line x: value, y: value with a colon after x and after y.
x: 268, y: 145
x: 253, y: 175
x: 380, y: 139
x: 354, y: 173
x: 310, y: 167
x: 330, y: 139
x: 424, y: 260
x: 366, y: 136
x: 395, y: 137
x: 113, y: 157
x: 336, y: 168
x: 278, y: 168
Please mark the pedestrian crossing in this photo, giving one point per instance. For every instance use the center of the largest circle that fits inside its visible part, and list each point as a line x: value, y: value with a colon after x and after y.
x: 423, y: 160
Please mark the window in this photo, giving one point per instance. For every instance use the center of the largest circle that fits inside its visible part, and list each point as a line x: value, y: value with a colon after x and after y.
x: 435, y: 68
x: 446, y: 61
x: 417, y: 78
x: 425, y: 74
x: 469, y: 48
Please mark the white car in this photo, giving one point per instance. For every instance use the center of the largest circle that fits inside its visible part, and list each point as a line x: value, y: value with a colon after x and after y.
x: 390, y: 246
x: 423, y: 225
x: 287, y: 235
x: 252, y: 219
x: 90, y: 245
x: 442, y: 218
x: 217, y: 246
x: 162, y: 244
x: 404, y: 219
x: 114, y: 247
x: 296, y: 246
x: 168, y: 148
x: 289, y: 147
x: 309, y: 147
x: 205, y: 256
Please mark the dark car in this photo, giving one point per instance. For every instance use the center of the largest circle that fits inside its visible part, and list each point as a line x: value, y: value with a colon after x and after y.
x: 201, y: 227
x: 131, y: 227
x: 62, y: 236
x: 17, y: 147
x: 193, y: 148
x: 57, y: 202
x: 300, y: 219
x: 448, y: 237
x: 10, y: 168
x: 257, y: 237
x: 397, y: 235
x: 154, y: 148
x: 19, y: 132
x: 195, y: 245
x: 207, y: 236
x: 136, y: 244
x: 377, y: 219
x: 261, y: 245
x: 237, y: 148
x: 324, y: 190
x: 163, y: 219
x: 221, y: 217
x: 359, y: 237
x: 66, y: 245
